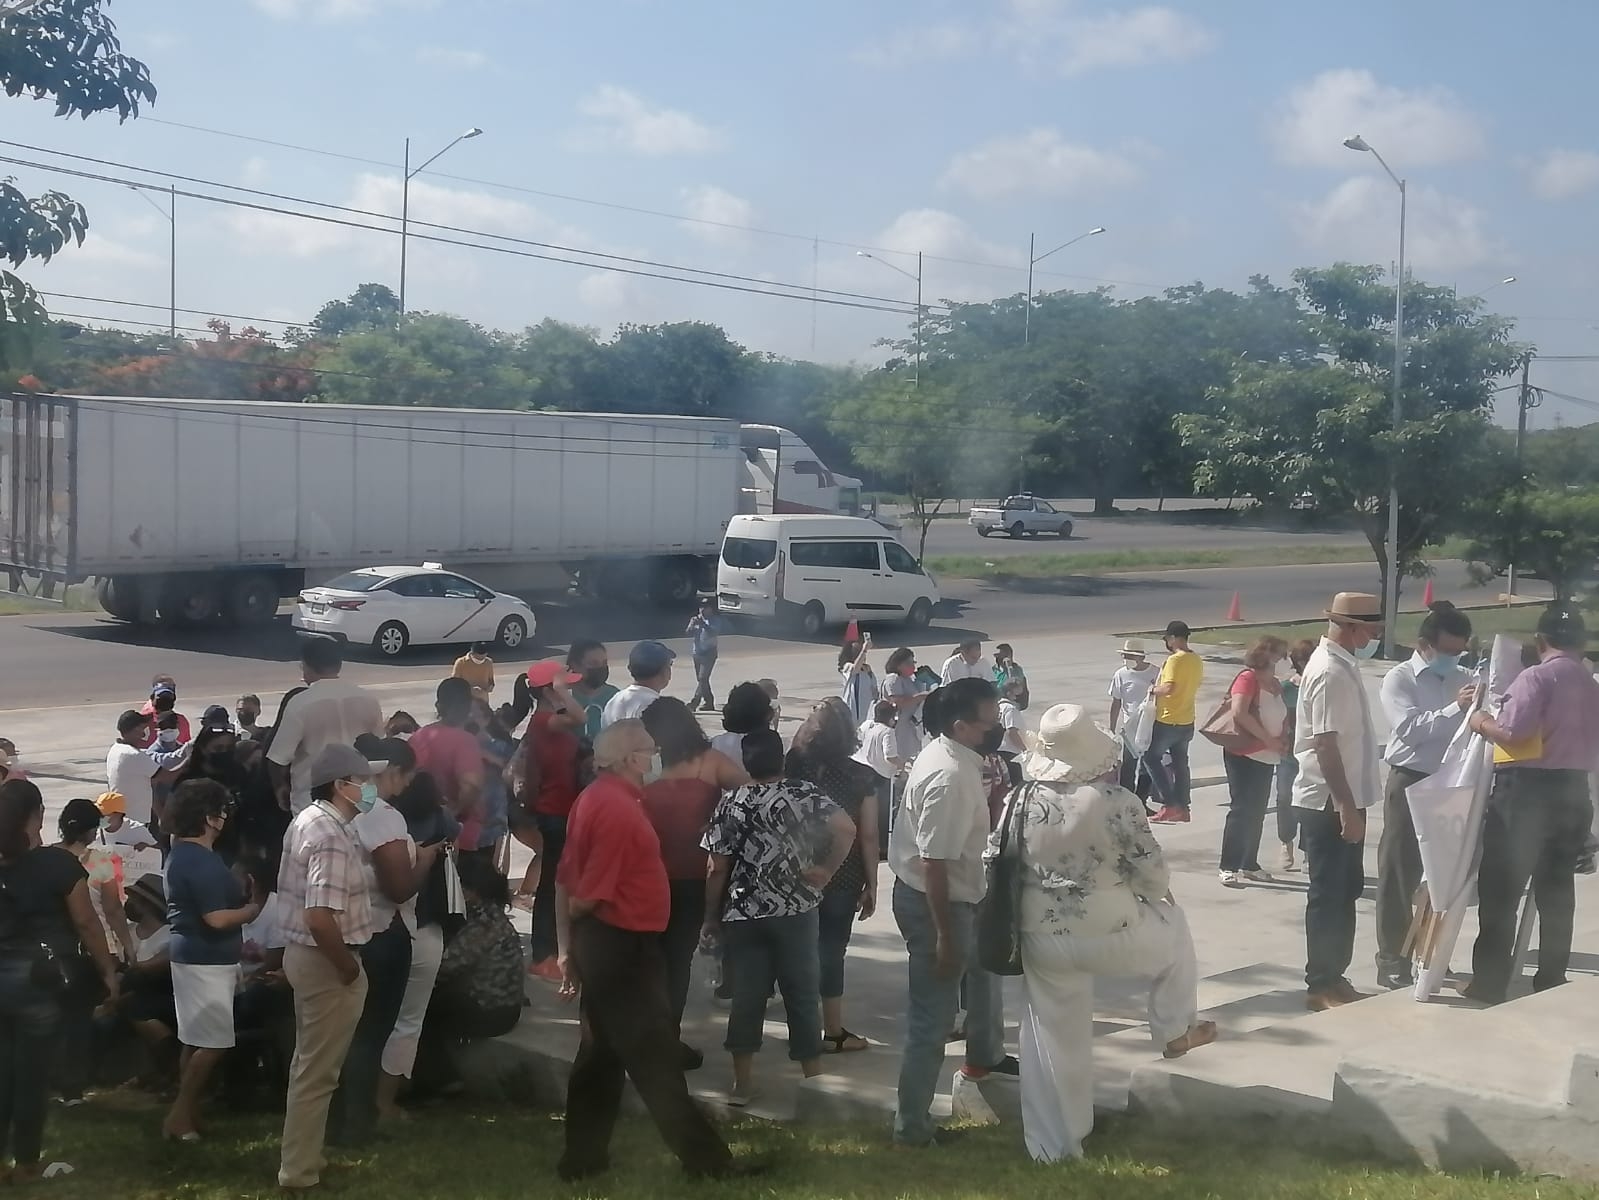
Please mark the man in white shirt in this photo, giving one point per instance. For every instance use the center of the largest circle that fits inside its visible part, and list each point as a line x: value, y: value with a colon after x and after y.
x: 1425, y: 701
x: 650, y: 665
x: 134, y: 773
x: 879, y: 750
x: 965, y: 663
x: 1336, y: 746
x: 1129, y: 688
x: 936, y: 853
x: 330, y: 712
x: 1010, y: 720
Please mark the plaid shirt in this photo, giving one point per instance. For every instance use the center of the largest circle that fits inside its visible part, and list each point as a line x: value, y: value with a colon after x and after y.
x: 322, y: 869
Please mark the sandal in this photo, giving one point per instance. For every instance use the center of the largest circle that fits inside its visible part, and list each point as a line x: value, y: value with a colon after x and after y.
x: 844, y: 1042
x: 1201, y: 1033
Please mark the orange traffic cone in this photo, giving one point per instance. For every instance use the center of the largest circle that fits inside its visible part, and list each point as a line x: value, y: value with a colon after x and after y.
x: 1426, y: 595
x: 852, y: 632
x: 1235, y: 610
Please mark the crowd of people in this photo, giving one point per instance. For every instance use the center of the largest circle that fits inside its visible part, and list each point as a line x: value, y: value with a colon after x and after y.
x: 318, y: 906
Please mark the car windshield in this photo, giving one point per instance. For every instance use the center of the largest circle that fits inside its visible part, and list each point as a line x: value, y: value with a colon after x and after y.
x: 357, y: 581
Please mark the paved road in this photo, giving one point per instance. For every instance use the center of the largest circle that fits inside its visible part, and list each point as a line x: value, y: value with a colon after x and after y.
x: 1099, y: 534
x: 70, y: 659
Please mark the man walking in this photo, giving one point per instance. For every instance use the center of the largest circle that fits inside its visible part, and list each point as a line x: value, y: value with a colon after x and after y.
x: 330, y: 712
x: 1539, y: 813
x: 326, y: 912
x: 1338, y: 781
x: 1425, y: 700
x: 612, y: 901
x: 936, y: 853
x: 650, y: 665
x: 1175, y: 690
x: 705, y: 627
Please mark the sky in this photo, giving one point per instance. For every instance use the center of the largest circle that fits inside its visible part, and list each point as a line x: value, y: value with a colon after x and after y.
x: 771, y: 143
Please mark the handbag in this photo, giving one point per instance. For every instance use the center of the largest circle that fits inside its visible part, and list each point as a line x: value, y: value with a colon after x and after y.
x: 999, y: 924
x: 1139, y: 728
x: 454, y: 895
x: 1221, y: 729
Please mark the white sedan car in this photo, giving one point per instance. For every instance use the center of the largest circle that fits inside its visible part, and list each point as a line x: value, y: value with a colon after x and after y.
x: 390, y: 608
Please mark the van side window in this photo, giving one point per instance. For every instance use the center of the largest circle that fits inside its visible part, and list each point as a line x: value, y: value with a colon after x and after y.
x: 900, y: 560
x: 857, y: 556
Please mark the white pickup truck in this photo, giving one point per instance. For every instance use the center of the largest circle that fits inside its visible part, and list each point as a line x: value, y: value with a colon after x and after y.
x: 1018, y: 515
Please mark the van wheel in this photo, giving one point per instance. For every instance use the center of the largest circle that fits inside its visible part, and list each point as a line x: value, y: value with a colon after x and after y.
x: 812, y: 618
x: 1017, y: 530
x: 391, y: 639
x: 920, y: 615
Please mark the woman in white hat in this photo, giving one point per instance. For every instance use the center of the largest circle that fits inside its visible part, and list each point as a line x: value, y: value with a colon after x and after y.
x: 1095, y: 900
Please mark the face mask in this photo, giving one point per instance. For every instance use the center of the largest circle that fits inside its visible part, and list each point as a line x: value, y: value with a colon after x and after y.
x: 1443, y: 663
x: 594, y: 678
x: 168, y: 737
x: 1369, y: 650
x: 654, y: 771
x: 246, y: 717
x: 991, y: 740
x: 369, y: 797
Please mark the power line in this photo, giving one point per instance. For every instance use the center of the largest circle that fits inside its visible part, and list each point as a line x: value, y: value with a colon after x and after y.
x: 195, y: 312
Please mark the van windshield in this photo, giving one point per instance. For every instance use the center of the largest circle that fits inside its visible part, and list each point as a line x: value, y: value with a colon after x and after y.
x: 749, y: 554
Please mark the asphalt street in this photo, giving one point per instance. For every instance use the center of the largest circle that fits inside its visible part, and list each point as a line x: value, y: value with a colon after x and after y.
x: 70, y: 659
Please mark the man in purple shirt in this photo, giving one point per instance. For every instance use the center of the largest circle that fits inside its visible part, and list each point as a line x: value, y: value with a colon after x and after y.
x: 1539, y: 814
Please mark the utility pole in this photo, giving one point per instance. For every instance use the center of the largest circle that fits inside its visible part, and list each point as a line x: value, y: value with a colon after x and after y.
x: 1524, y: 401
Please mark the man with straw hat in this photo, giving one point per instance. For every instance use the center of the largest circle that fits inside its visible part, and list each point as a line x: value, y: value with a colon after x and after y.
x: 1336, y: 746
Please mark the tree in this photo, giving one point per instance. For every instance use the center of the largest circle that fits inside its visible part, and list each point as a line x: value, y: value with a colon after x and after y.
x: 429, y: 360
x: 1318, y: 428
x: 689, y: 367
x: 370, y: 306
x: 246, y: 365
x: 65, y: 50
x: 1549, y: 534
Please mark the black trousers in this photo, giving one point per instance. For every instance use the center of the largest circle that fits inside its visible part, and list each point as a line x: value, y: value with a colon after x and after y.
x: 1337, y: 878
x: 386, y: 960
x: 682, y: 939
x: 1537, y: 824
x: 629, y: 1032
x: 1398, y: 871
x: 1249, y: 793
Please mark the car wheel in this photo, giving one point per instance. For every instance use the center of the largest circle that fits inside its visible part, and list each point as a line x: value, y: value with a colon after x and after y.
x: 983, y: 531
x: 1065, y: 531
x: 391, y: 639
x: 812, y: 618
x: 252, y: 602
x: 1017, y: 530
x: 513, y: 632
x: 920, y: 615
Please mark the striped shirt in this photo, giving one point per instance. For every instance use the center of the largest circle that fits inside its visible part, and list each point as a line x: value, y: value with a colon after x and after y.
x: 322, y: 869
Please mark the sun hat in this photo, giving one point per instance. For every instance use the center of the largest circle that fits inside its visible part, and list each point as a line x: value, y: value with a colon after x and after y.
x: 1134, y: 648
x: 111, y: 802
x: 1355, y: 608
x: 1069, y: 748
x: 151, y: 889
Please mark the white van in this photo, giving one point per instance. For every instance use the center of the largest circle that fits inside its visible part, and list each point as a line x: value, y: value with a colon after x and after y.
x: 815, y: 571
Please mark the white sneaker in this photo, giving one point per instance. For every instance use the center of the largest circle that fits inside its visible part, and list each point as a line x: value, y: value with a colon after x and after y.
x: 966, y: 1102
x: 1230, y: 879
x: 1259, y: 876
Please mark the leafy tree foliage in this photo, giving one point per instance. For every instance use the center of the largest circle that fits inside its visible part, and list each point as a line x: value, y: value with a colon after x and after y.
x: 1549, y: 534
x: 370, y: 306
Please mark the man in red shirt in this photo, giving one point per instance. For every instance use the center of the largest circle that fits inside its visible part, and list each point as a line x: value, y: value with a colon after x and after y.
x: 446, y: 751
x: 612, y: 900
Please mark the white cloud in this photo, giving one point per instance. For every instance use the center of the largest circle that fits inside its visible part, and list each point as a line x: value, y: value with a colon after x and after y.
x: 621, y: 118
x: 1358, y: 221
x: 1415, y: 128
x: 919, y: 44
x: 1060, y: 34
x: 722, y: 213
x: 1562, y: 174
x: 452, y: 60
x: 329, y: 11
x: 1040, y: 163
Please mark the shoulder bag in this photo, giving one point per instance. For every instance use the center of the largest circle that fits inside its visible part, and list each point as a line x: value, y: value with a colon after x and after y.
x: 999, y: 916
x: 1221, y: 729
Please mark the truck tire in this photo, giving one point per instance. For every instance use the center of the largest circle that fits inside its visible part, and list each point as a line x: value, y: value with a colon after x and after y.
x: 1017, y: 530
x: 512, y: 633
x: 391, y: 639
x: 251, y: 602
x: 983, y: 531
x: 674, y: 583
x: 1065, y: 531
x: 920, y: 615
x: 189, y: 600
x: 119, y: 596
x: 812, y: 619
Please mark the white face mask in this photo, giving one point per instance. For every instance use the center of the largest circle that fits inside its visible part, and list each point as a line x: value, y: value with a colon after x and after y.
x: 168, y: 737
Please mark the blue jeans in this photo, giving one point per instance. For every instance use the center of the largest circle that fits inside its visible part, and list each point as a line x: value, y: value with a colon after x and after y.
x: 1172, y: 786
x: 835, y: 922
x: 930, y: 1011
x: 28, y: 1022
x: 1287, y: 815
x: 784, y: 950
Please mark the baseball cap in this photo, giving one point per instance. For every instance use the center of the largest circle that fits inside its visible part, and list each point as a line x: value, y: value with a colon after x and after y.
x: 649, y: 658
x: 339, y: 761
x: 1178, y: 629
x: 111, y: 802
x: 163, y: 689
x: 542, y: 674
x: 216, y: 717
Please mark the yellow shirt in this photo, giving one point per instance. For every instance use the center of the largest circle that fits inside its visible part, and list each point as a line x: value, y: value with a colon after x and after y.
x: 1183, y: 669
x: 479, y: 674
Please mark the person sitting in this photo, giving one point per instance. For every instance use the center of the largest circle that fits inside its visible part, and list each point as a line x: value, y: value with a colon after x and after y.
x: 263, y: 1006
x: 1095, y: 900
x: 144, y: 1001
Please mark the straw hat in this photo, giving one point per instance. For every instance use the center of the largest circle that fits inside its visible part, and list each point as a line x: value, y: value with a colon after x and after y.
x: 1070, y: 748
x: 1134, y: 648
x: 1355, y: 608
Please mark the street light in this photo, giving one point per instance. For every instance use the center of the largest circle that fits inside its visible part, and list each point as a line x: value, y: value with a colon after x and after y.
x: 170, y: 212
x: 916, y: 379
x: 405, y: 198
x: 1391, y: 598
x: 1032, y: 261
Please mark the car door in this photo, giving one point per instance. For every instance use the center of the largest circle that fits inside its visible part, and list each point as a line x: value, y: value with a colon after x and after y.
x: 466, y: 610
x: 813, y: 574
x: 412, y: 600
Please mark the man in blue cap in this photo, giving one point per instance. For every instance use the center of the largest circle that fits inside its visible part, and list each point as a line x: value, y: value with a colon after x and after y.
x: 650, y: 665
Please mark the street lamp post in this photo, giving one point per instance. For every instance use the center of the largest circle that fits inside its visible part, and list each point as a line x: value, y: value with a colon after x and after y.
x: 1032, y: 261
x: 916, y: 379
x: 405, y: 198
x: 1391, y: 597
x: 170, y: 212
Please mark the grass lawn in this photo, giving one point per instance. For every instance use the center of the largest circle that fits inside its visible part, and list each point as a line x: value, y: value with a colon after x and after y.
x: 512, y: 1153
x: 1518, y: 621
x: 77, y: 598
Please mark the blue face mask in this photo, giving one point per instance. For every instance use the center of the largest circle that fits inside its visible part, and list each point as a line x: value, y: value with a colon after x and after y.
x: 1443, y: 663
x: 1369, y: 650
x: 369, y: 797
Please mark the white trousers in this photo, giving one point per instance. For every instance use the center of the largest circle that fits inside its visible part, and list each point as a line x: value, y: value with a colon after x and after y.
x: 1057, y: 1026
x: 399, y: 1052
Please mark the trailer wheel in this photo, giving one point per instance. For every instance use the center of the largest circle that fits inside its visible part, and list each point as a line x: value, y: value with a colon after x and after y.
x: 920, y: 615
x: 391, y: 639
x: 674, y: 584
x: 189, y: 600
x: 119, y: 596
x: 252, y: 602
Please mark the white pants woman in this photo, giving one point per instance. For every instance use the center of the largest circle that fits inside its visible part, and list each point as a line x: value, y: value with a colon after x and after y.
x: 399, y: 1052
x: 1057, y: 1028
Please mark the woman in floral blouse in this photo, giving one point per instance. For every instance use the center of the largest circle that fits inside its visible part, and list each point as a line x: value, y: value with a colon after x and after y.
x: 1095, y: 900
